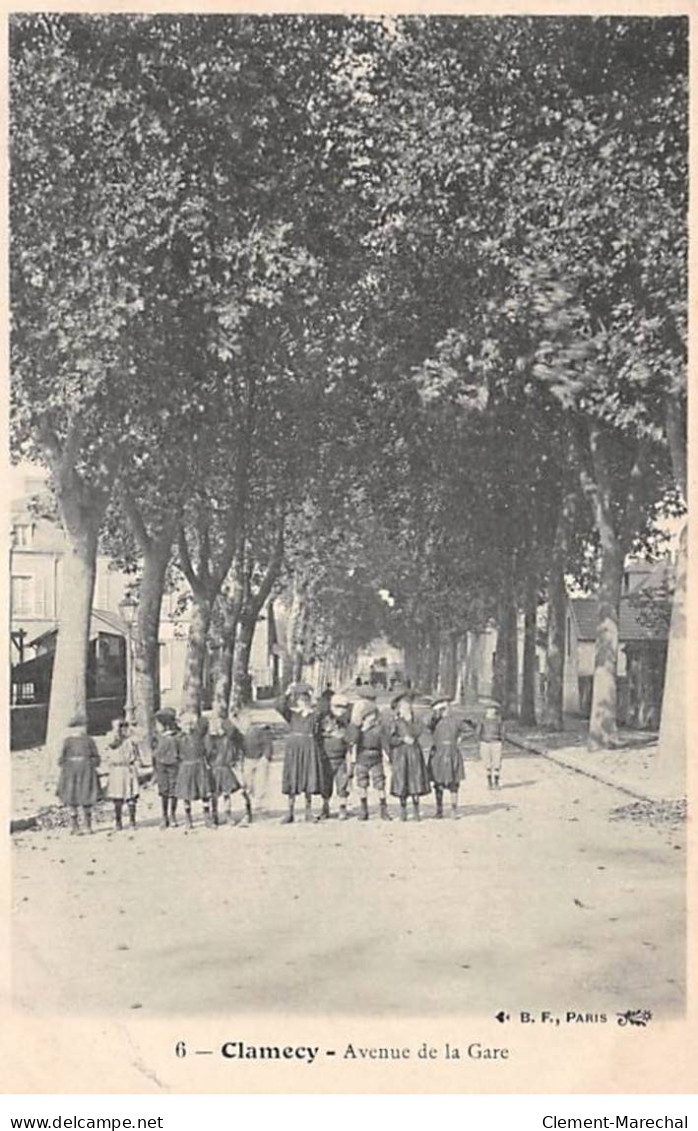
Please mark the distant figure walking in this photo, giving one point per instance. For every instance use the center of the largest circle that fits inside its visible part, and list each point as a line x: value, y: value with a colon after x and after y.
x: 78, y: 782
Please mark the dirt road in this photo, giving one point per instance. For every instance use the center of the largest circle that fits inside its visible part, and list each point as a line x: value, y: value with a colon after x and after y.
x: 535, y: 899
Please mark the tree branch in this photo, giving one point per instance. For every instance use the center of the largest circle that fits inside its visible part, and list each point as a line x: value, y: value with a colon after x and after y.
x: 633, y: 497
x: 585, y: 467
x: 270, y: 574
x: 675, y: 419
x: 185, y: 561
x: 135, y: 519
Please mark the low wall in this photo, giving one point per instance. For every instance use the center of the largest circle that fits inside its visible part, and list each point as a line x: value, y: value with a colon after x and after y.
x: 28, y: 725
x: 28, y: 722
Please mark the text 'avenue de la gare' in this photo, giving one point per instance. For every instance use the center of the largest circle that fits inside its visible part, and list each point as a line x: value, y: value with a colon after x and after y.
x: 308, y: 1054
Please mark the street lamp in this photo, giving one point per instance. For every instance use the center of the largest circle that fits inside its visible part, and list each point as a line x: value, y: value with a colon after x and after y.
x: 128, y: 609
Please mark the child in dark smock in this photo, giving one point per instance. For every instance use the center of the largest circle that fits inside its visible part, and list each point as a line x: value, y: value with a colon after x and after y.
x: 78, y: 782
x: 224, y: 749
x: 166, y: 759
x: 194, y: 781
x: 123, y: 758
x: 303, y: 764
x: 409, y: 776
x: 445, y: 762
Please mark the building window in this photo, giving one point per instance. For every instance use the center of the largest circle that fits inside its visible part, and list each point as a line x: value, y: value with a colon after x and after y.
x: 23, y: 535
x: 23, y: 596
x: 102, y: 587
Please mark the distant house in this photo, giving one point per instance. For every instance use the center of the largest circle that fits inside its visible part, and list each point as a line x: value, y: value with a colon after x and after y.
x: 645, y: 612
x: 106, y: 663
x: 36, y: 572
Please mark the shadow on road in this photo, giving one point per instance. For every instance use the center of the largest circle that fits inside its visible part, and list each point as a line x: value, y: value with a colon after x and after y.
x: 481, y: 810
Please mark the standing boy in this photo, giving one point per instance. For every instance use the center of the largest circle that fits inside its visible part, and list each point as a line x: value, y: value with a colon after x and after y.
x: 166, y: 759
x: 368, y: 742
x: 333, y: 736
x: 490, y: 732
x: 445, y: 764
x: 258, y: 749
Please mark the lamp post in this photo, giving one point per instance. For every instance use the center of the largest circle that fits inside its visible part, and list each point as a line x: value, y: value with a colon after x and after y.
x: 128, y: 608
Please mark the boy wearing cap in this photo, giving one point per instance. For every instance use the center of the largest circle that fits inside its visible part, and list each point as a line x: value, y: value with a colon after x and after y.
x: 368, y: 744
x: 446, y: 767
x: 334, y: 743
x: 490, y: 732
x: 258, y: 750
x: 166, y: 759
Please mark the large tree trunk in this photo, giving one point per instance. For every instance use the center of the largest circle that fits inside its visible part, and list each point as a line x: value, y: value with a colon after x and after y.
x: 431, y: 675
x: 505, y: 674
x: 461, y: 668
x: 296, y: 630
x: 411, y: 653
x: 499, y: 675
x: 241, y: 690
x: 223, y: 674
x: 156, y: 550
x: 205, y: 586
x: 554, y: 703
x: 553, y: 709
x: 671, y: 755
x: 510, y: 707
x: 604, y: 696
x: 252, y: 604
x: 146, y: 643
x: 617, y: 511
x: 297, y: 665
x: 69, y: 681
x: 448, y: 665
x: 230, y: 609
x: 81, y: 509
x: 506, y: 667
x: 193, y: 686
x: 473, y: 660
x: 530, y: 662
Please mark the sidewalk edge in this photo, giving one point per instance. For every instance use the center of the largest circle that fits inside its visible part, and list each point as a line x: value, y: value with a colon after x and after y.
x: 523, y: 744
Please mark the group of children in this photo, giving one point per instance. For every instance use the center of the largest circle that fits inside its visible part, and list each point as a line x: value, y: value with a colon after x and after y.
x: 209, y: 760
x: 192, y: 760
x: 326, y: 748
